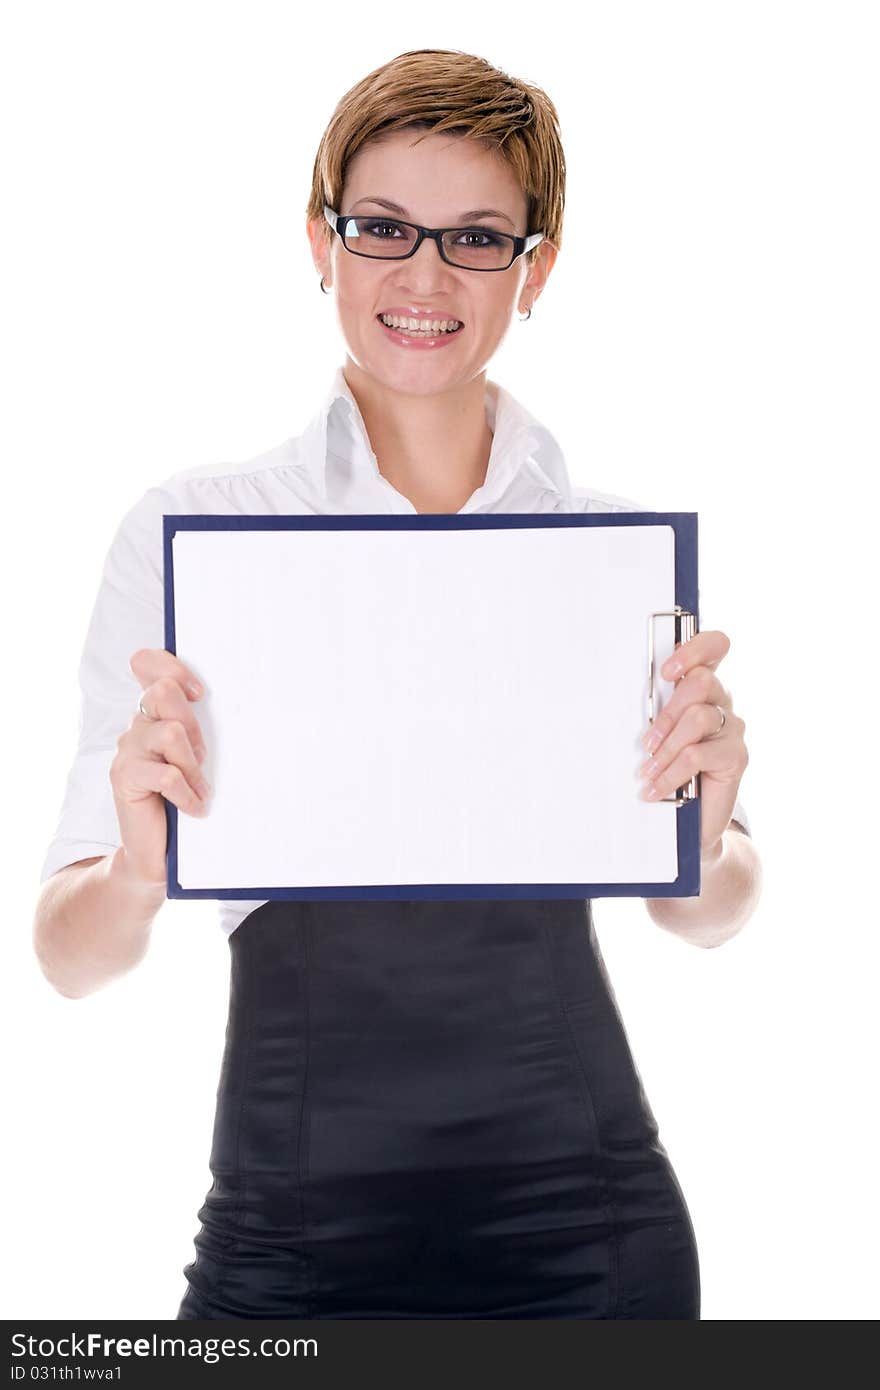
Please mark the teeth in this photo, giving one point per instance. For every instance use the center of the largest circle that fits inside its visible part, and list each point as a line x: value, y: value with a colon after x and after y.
x: 421, y: 325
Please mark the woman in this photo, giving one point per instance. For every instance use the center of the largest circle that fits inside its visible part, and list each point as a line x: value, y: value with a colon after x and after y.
x: 425, y: 1109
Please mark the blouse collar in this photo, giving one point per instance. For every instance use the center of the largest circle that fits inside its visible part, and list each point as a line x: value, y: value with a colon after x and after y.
x: 337, y: 435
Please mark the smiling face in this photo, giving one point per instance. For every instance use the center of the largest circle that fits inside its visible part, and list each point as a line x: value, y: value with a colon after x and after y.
x: 435, y: 182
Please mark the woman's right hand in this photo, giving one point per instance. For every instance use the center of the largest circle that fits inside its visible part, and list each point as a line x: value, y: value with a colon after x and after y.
x: 158, y: 758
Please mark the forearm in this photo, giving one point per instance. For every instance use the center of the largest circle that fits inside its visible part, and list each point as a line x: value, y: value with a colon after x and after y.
x: 729, y: 891
x: 93, y: 923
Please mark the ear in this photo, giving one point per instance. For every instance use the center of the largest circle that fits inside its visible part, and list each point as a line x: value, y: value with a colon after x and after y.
x: 319, y: 242
x: 537, y: 276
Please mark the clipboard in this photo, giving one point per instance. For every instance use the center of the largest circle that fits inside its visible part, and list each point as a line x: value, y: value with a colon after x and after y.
x: 190, y: 542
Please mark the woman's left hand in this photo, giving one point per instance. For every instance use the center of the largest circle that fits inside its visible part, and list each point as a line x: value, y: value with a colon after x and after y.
x: 685, y: 737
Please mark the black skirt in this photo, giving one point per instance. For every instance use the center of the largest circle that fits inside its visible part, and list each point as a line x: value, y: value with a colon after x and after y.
x: 429, y: 1109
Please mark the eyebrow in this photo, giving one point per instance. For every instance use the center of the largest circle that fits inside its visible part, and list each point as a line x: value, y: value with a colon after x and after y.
x: 463, y: 217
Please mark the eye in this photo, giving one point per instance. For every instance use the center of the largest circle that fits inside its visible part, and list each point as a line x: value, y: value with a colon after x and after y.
x: 489, y: 239
x: 371, y: 226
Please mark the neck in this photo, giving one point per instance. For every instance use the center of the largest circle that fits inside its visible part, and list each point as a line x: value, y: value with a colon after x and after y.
x: 433, y: 449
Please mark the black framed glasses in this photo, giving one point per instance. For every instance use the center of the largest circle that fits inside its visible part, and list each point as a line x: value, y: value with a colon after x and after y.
x: 388, y: 239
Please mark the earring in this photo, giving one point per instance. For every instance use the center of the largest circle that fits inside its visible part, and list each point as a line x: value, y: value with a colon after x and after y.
x: 528, y: 315
x: 323, y: 286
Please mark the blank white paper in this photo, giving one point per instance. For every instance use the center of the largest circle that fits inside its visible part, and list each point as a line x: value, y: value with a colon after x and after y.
x: 424, y: 706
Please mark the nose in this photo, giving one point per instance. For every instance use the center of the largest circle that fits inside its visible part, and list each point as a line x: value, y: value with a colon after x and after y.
x: 429, y: 247
x: 424, y: 263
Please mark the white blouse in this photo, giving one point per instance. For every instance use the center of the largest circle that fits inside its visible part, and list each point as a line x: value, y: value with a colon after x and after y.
x: 329, y: 468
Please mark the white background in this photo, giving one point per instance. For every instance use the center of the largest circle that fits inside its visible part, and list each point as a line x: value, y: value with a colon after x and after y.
x: 707, y: 341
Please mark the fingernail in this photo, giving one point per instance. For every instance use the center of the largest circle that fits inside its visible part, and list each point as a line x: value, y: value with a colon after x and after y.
x: 201, y: 752
x: 194, y: 688
x: 204, y: 788
x: 651, y: 793
x: 675, y: 669
x: 652, y: 740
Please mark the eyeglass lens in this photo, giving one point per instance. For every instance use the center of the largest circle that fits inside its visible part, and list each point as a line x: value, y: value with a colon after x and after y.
x: 476, y: 248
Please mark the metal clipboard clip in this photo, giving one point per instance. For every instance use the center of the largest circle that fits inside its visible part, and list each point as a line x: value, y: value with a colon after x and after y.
x: 685, y: 628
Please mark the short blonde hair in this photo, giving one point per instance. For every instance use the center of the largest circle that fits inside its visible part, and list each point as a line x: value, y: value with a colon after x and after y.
x: 439, y: 89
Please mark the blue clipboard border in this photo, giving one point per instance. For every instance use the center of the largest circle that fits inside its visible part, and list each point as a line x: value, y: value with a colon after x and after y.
x: 684, y: 524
